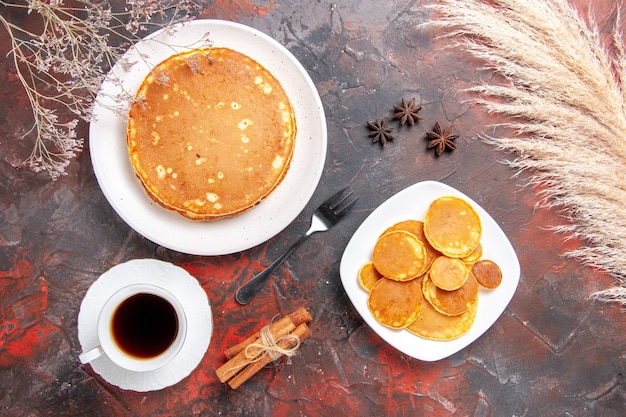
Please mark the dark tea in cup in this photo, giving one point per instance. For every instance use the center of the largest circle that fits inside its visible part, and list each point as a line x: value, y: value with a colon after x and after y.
x: 144, y: 325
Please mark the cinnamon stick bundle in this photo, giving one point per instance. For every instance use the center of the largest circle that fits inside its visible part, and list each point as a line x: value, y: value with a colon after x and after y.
x: 246, y: 358
x: 298, y: 317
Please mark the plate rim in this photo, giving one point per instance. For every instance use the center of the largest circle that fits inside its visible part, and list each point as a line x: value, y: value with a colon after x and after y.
x: 438, y: 349
x: 262, y: 222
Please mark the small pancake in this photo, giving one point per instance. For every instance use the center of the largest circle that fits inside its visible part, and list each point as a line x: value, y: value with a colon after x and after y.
x: 211, y: 133
x: 487, y: 273
x: 399, y: 255
x: 474, y: 256
x: 395, y: 304
x: 451, y: 303
x: 417, y: 228
x: 368, y: 276
x: 452, y: 226
x: 448, y: 273
x: 431, y: 324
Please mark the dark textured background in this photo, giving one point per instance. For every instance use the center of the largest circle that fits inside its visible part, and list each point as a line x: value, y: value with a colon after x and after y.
x: 553, y: 352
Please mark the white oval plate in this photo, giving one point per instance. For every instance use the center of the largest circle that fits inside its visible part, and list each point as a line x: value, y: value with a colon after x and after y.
x: 116, y: 177
x: 178, y: 282
x: 412, y: 203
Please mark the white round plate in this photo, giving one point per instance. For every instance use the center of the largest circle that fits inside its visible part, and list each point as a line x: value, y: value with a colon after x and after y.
x: 177, y: 281
x: 115, y: 174
x: 412, y: 203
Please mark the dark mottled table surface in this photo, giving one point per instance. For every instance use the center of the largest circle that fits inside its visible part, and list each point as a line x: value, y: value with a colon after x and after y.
x: 553, y: 351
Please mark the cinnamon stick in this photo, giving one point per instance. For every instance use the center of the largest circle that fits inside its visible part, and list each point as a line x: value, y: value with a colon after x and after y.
x: 278, y: 329
x: 302, y: 331
x: 298, y: 317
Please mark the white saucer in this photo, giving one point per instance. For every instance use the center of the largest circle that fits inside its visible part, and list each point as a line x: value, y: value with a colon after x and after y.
x: 177, y: 281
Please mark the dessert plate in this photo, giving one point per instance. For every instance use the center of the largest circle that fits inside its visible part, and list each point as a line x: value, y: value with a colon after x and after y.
x: 177, y: 281
x: 115, y: 174
x: 412, y: 203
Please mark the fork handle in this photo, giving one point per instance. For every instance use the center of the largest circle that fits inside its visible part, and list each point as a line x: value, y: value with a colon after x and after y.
x: 249, y: 289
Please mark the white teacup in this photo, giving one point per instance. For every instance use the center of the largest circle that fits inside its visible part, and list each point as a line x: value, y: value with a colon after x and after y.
x: 142, y: 327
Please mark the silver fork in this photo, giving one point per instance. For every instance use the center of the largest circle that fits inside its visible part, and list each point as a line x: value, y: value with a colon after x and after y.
x: 327, y: 215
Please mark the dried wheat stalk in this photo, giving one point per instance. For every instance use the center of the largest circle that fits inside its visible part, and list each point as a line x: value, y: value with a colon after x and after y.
x: 566, y: 100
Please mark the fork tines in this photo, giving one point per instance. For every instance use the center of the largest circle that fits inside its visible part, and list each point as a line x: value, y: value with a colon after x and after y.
x: 340, y: 201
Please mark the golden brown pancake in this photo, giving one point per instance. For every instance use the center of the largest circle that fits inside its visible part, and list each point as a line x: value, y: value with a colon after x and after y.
x: 368, y: 276
x: 417, y: 228
x: 452, y: 226
x: 431, y: 324
x: 211, y: 133
x: 399, y: 255
x: 474, y: 256
x: 448, y: 273
x: 451, y: 303
x: 487, y: 273
x: 395, y: 304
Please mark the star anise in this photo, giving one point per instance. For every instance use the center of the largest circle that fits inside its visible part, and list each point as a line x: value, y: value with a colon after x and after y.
x: 407, y: 112
x: 441, y: 139
x: 380, y: 131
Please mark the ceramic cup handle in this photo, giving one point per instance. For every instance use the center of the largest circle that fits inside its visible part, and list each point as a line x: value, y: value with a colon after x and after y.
x: 90, y: 355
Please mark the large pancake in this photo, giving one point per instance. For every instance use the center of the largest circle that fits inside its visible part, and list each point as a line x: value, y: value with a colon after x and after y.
x: 211, y: 133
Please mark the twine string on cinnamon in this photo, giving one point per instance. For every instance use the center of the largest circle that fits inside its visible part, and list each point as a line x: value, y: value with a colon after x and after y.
x: 269, y: 346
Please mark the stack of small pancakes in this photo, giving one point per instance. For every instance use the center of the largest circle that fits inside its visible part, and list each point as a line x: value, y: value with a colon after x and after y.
x: 425, y: 276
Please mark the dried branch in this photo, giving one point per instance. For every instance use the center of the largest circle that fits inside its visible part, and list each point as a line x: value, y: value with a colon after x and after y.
x: 62, y: 65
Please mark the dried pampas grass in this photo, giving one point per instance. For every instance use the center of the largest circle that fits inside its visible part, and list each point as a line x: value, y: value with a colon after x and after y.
x: 566, y: 100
